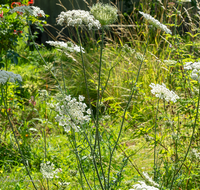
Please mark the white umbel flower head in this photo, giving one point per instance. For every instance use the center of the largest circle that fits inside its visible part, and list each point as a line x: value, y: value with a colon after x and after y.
x: 191, y: 65
x: 47, y: 170
x: 30, y: 10
x: 150, y: 180
x: 66, y: 46
x: 6, y: 76
x: 162, y: 92
x: 72, y: 113
x: 142, y: 186
x: 105, y: 13
x: 155, y: 22
x: 78, y: 18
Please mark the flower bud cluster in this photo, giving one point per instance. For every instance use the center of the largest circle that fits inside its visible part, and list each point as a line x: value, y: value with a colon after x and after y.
x: 105, y: 13
x: 32, y: 10
x: 72, y: 113
x: 48, y: 170
x: 162, y: 92
x: 66, y: 46
x: 155, y: 22
x: 6, y: 76
x: 78, y: 18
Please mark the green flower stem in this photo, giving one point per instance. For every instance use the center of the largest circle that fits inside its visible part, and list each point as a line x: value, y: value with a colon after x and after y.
x: 23, y: 159
x: 95, y: 121
x: 81, y: 171
x: 127, y: 106
x: 97, y: 136
x: 191, y: 140
x: 155, y: 144
x: 85, y: 77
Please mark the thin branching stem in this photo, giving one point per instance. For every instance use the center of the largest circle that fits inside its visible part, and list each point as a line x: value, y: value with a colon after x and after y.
x: 191, y: 140
x: 155, y: 143
x: 127, y: 106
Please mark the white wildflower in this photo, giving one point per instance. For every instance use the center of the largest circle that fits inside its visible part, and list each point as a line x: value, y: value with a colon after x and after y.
x: 196, y: 153
x: 81, y: 98
x: 150, y: 180
x: 30, y: 10
x: 170, y: 62
x: 65, y: 184
x: 162, y: 92
x: 47, y: 170
x: 72, y: 113
x: 66, y: 46
x: 191, y: 65
x: 155, y: 22
x: 142, y: 186
x: 78, y: 18
x: 6, y: 76
x: 195, y: 75
x: 104, y: 13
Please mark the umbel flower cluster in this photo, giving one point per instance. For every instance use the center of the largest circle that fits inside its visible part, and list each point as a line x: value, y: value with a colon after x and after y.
x: 6, y: 76
x: 31, y: 10
x: 66, y: 46
x: 72, y: 113
x: 105, y: 13
x: 155, y: 22
x: 78, y: 18
x: 48, y: 170
x: 195, y: 67
x: 142, y: 186
x: 162, y: 92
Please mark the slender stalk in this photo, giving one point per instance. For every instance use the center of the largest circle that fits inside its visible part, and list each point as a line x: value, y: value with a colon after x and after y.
x: 191, y: 140
x: 23, y: 159
x: 123, y: 118
x: 155, y: 144
x: 96, y: 123
x: 84, y: 72
x: 97, y: 136
x: 81, y: 171
x: 63, y: 75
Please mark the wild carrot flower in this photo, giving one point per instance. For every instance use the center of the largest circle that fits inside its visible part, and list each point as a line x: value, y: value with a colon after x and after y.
x: 66, y: 46
x: 155, y: 22
x: 162, y: 92
x: 105, y: 13
x: 78, y: 18
x: 150, y: 180
x: 48, y: 170
x: 6, y: 76
x: 142, y: 186
x: 33, y: 11
x: 72, y: 113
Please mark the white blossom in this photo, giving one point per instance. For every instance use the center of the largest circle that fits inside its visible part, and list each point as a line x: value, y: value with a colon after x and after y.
x: 196, y: 153
x: 104, y: 13
x: 72, y: 113
x: 78, y: 18
x: 31, y: 10
x: 155, y: 22
x: 142, y: 186
x: 162, y: 92
x: 6, y: 76
x: 66, y: 46
x: 47, y: 170
x: 191, y: 65
x: 150, y: 180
